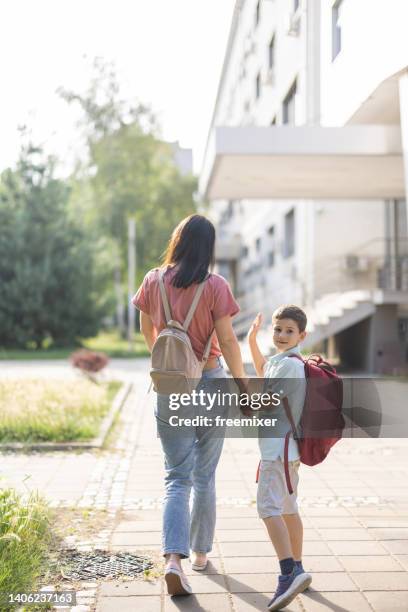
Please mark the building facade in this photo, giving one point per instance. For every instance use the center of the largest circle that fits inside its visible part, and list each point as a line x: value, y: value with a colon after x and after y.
x: 319, y: 63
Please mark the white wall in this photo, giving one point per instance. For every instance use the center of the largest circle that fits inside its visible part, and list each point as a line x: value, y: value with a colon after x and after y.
x: 374, y: 47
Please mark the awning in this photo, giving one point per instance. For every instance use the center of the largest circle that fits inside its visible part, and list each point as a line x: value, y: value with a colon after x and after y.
x: 350, y: 162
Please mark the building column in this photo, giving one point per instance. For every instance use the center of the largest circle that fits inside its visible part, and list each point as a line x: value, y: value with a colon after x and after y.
x: 403, y: 99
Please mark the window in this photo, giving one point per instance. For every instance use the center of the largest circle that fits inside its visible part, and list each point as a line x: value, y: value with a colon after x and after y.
x: 244, y: 252
x: 289, y: 106
x: 257, y: 12
x: 258, y: 244
x: 271, y: 53
x: 258, y: 86
x: 289, y: 229
x: 336, y: 29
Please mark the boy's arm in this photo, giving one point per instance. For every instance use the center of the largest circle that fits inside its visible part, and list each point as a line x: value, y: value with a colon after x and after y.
x: 257, y: 358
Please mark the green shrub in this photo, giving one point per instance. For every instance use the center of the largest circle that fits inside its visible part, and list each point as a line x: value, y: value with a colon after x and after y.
x: 25, y: 537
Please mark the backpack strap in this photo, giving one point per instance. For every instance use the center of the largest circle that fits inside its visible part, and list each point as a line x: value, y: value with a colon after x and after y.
x: 286, y: 448
x: 193, y: 306
x: 165, y: 300
x: 190, y: 315
x: 207, y: 347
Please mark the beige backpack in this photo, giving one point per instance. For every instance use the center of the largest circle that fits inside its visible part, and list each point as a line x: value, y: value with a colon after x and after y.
x: 175, y: 367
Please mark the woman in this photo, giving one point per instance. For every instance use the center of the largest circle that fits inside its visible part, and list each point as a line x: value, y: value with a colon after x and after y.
x: 192, y: 453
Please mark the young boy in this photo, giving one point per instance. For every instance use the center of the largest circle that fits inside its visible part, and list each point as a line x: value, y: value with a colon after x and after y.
x: 278, y: 509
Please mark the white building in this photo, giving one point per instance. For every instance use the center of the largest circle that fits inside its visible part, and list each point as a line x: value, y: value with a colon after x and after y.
x: 183, y: 158
x: 304, y: 169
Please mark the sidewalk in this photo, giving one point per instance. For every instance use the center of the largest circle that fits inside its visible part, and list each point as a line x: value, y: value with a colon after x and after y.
x: 355, y: 511
x: 354, y: 507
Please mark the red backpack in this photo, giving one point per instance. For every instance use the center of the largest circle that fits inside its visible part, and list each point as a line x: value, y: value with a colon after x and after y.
x: 322, y: 421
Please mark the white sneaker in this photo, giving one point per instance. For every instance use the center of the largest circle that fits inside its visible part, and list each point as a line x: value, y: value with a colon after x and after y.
x: 198, y: 567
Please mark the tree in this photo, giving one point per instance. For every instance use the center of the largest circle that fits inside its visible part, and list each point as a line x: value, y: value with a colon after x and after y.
x: 130, y: 171
x: 51, y: 287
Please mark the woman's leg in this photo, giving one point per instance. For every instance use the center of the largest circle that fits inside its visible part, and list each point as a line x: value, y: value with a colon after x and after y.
x: 207, y: 454
x: 203, y: 515
x: 178, y: 446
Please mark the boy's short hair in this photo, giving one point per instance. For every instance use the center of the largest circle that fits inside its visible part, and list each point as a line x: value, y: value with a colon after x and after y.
x: 290, y: 311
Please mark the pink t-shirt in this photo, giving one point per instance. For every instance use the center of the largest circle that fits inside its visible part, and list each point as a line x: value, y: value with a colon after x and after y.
x: 215, y: 302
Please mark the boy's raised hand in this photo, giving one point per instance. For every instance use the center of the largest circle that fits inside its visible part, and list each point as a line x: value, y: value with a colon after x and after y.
x: 256, y: 325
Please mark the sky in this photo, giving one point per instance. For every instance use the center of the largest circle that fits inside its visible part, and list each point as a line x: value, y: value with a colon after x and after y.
x: 168, y: 54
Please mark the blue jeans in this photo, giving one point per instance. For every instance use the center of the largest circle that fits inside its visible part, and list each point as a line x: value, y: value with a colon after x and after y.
x: 191, y: 457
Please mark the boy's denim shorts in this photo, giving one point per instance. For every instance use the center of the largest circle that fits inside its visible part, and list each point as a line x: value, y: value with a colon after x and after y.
x: 273, y: 497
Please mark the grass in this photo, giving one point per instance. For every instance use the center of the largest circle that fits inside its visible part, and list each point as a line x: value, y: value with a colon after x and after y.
x: 25, y: 538
x: 53, y: 411
x: 109, y: 342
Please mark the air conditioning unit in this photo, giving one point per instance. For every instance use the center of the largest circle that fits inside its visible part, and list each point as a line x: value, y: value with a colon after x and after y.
x: 269, y: 78
x: 356, y: 263
x: 292, y: 25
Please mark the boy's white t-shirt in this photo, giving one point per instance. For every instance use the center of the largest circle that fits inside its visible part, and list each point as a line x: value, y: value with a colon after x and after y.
x: 284, y: 375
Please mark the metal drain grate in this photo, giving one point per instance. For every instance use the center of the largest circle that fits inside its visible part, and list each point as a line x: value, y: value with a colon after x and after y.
x: 102, y: 564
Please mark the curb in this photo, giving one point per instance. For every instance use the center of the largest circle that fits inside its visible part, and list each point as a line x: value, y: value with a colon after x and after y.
x: 95, y: 443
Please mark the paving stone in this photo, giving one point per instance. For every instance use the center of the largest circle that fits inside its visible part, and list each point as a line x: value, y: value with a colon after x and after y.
x: 242, y: 535
x: 132, y: 526
x: 250, y: 565
x: 389, y: 521
x: 214, y: 566
x: 369, y: 564
x: 323, y: 563
x: 373, y: 511
x: 311, y: 511
x: 257, y: 535
x: 249, y: 602
x: 130, y: 588
x: 388, y: 602
x: 212, y: 583
x: 399, y: 547
x: 199, y: 602
x: 356, y: 548
x: 129, y: 604
x: 238, y: 523
x: 390, y: 533
x: 136, y: 538
x: 345, y: 534
x: 235, y: 511
x: 313, y: 601
x: 381, y: 581
x: 332, y: 581
x: 403, y: 560
x: 133, y: 548
x: 334, y: 522
x: 247, y: 583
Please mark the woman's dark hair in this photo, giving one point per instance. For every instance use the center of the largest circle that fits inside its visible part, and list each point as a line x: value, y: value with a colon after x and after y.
x: 191, y: 249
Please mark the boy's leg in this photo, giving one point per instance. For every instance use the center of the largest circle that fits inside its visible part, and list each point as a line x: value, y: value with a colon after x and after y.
x: 290, y: 513
x: 280, y: 538
x: 273, y: 501
x: 270, y: 502
x: 295, y: 528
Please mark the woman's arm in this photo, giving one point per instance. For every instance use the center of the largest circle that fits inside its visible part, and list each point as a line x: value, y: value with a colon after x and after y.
x: 148, y: 330
x: 229, y: 347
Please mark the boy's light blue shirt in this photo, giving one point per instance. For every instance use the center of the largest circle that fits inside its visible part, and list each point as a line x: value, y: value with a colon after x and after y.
x: 284, y: 375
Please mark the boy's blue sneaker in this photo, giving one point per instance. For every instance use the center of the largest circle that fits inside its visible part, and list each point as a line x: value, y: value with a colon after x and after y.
x: 300, y: 566
x: 288, y: 587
